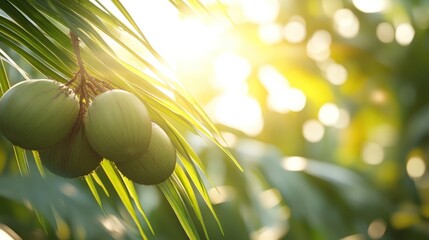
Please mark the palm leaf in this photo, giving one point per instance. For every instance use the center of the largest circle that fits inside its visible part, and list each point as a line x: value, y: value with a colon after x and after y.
x: 38, y: 31
x: 117, y: 183
x: 175, y: 200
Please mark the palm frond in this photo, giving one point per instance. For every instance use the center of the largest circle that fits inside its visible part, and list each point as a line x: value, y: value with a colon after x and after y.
x: 38, y: 32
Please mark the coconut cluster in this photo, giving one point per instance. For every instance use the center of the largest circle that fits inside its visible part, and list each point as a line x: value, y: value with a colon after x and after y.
x: 73, y: 136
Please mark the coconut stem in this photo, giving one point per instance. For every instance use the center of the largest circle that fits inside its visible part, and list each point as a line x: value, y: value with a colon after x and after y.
x: 76, y: 49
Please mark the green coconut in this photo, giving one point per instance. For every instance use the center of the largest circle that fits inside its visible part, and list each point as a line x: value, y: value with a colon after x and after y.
x: 37, y: 114
x: 156, y: 165
x: 118, y: 126
x: 73, y: 157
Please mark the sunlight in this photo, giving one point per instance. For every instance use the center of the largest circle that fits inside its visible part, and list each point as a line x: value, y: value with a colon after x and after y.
x: 237, y: 111
x: 371, y: 6
x: 261, y: 11
x: 231, y: 72
x: 281, y: 97
x: 291, y: 99
x: 270, y: 33
x: 175, y: 37
x: 273, y: 81
x: 278, y: 103
x: 194, y: 38
x: 158, y: 28
x: 313, y: 130
x: 346, y: 23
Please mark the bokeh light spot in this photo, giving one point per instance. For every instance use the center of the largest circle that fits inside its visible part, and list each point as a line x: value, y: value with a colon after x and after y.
x: 220, y: 194
x: 273, y: 81
x: 371, y: 6
x: 378, y: 96
x: 295, y: 99
x: 294, y: 163
x: 295, y: 31
x: 329, y: 114
x: 385, y: 32
x: 313, y: 130
x: 270, y: 198
x: 318, y: 47
x: 416, y: 167
x: 404, y: 34
x: 377, y: 228
x: 343, y: 119
x: 113, y: 225
x: 346, y: 23
x: 336, y: 73
x: 372, y: 153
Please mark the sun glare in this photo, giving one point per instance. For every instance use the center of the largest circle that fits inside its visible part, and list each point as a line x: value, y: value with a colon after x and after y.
x: 231, y: 72
x: 237, y: 111
x: 270, y: 33
x: 260, y: 11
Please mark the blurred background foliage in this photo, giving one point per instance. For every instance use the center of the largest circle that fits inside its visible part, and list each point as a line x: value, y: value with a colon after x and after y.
x: 324, y: 103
